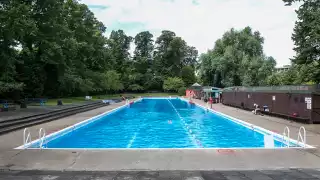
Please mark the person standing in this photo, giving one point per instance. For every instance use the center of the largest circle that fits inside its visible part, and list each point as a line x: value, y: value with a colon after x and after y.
x: 211, y: 101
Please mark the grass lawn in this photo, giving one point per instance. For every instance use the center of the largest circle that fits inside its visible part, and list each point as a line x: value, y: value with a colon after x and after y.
x: 75, y: 100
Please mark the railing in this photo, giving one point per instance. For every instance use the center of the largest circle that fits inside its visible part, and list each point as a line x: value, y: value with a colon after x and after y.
x: 26, y: 137
x: 286, y: 136
x: 42, y: 137
x: 302, y: 139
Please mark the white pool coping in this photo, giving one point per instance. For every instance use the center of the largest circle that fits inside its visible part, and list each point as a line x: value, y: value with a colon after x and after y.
x: 68, y: 129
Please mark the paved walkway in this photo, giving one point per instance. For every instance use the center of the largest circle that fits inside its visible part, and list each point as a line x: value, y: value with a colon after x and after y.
x: 34, y: 110
x: 292, y: 174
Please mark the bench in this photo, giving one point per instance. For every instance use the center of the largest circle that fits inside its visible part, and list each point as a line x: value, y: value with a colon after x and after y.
x: 88, y: 98
x: 41, y: 101
x: 7, y: 105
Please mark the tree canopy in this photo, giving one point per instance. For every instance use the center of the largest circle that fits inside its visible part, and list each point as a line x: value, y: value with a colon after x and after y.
x: 57, y: 48
x: 237, y: 59
x: 306, y: 36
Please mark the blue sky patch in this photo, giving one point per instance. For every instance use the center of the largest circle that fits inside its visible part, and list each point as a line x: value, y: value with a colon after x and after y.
x: 100, y: 7
x: 126, y: 26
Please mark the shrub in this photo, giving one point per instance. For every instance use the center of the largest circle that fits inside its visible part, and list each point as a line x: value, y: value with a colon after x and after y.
x: 173, y: 84
x: 182, y: 91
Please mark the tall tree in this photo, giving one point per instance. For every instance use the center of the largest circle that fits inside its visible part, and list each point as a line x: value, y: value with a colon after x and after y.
x: 188, y: 75
x: 306, y: 35
x: 161, y: 51
x: 141, y: 66
x: 119, y: 45
x: 237, y: 59
x: 172, y: 53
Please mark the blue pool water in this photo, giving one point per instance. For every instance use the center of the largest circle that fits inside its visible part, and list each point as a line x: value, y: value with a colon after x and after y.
x: 144, y: 124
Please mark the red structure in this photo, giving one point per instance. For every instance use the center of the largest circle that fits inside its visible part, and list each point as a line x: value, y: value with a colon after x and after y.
x: 194, y: 91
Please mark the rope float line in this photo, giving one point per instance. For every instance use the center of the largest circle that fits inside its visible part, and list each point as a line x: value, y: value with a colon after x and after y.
x: 187, y: 127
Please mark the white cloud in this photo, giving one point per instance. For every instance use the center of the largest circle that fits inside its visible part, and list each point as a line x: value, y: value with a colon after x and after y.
x: 202, y: 24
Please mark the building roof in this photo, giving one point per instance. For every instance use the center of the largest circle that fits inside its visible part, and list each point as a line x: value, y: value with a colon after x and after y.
x: 196, y: 85
x: 276, y: 89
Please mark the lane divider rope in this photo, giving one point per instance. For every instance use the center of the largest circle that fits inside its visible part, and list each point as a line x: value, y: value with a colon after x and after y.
x: 187, y: 128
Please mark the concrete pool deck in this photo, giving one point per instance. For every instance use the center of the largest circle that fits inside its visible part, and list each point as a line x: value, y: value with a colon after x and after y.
x: 160, y: 159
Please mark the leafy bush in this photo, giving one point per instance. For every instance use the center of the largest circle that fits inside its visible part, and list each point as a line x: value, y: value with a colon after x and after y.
x: 173, y: 84
x: 135, y: 87
x: 182, y: 91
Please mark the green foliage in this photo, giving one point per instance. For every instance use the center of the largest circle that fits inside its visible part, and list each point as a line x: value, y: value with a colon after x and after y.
x: 135, y: 88
x: 182, y: 91
x: 188, y: 76
x: 58, y: 48
x: 306, y: 35
x: 171, y: 54
x: 296, y: 75
x: 236, y: 59
x: 112, y: 81
x: 274, y: 80
x: 173, y: 84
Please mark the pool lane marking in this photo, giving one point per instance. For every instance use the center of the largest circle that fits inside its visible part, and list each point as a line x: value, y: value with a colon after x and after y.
x: 132, y: 140
x: 189, y: 131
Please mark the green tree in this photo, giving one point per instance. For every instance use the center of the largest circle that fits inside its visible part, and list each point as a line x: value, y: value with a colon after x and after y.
x: 173, y: 84
x: 119, y: 45
x: 306, y: 35
x: 236, y: 59
x: 142, y: 64
x: 188, y: 76
x: 57, y: 48
x: 171, y: 54
x: 274, y: 80
x: 112, y: 81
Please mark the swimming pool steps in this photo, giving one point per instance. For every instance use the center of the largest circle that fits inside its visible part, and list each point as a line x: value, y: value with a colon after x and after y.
x: 22, y: 122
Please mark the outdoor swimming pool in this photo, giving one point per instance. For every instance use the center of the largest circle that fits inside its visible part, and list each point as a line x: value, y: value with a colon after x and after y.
x: 159, y: 123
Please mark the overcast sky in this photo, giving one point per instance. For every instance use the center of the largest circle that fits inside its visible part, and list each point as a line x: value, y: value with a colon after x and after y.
x: 202, y: 22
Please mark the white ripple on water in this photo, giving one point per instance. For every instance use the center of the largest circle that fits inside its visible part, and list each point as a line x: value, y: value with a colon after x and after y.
x: 132, y: 140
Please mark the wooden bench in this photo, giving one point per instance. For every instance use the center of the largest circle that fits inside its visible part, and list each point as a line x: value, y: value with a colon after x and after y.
x: 7, y: 105
x: 41, y: 101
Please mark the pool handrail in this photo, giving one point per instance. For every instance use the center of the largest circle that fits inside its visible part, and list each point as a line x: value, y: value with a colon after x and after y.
x: 26, y: 137
x: 42, y: 137
x: 286, y: 136
x: 302, y: 138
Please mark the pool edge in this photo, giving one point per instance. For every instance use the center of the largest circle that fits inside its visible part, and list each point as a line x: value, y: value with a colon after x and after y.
x: 254, y: 127
x: 73, y: 127
x: 92, y: 119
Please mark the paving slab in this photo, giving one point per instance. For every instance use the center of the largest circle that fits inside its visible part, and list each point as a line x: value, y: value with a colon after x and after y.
x: 192, y: 159
x: 157, y: 175
x: 42, y: 160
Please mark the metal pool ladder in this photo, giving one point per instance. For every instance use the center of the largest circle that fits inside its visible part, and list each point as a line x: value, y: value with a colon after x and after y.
x: 286, y: 136
x: 302, y: 139
x: 26, y: 137
x: 42, y: 137
x: 301, y: 136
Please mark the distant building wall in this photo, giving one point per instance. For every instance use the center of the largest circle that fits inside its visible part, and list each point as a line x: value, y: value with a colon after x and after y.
x: 284, y: 101
x: 283, y: 68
